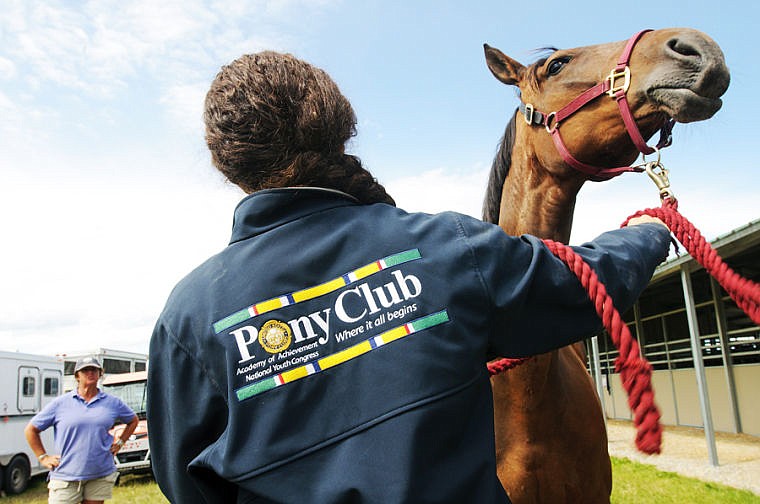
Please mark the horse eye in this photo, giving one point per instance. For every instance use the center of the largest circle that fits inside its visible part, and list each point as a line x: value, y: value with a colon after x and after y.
x: 556, y: 65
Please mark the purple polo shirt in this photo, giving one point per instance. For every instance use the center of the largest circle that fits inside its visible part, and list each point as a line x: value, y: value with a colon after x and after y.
x: 81, y: 433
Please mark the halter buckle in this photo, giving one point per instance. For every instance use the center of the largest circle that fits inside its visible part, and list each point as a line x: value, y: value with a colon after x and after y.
x: 616, y: 74
x: 529, y: 113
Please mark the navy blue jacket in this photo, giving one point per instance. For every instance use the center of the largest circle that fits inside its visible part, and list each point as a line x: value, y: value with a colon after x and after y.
x: 336, y: 352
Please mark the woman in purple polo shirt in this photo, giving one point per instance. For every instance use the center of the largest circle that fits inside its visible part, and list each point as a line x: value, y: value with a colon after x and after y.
x: 84, y: 469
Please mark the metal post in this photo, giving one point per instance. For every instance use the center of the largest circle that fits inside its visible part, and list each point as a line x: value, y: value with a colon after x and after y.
x: 725, y: 350
x: 699, y: 367
x: 598, y: 375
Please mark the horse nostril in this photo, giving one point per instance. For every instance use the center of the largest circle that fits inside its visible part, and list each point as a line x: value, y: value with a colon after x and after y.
x: 683, y: 48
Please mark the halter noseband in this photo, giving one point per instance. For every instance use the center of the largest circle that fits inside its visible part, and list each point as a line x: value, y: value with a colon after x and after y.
x: 615, y: 89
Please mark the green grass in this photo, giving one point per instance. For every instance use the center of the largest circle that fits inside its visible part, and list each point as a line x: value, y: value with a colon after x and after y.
x: 633, y: 483
x: 132, y: 489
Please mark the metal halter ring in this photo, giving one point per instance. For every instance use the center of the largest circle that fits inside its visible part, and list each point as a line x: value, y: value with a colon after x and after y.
x: 644, y: 156
x: 548, y: 124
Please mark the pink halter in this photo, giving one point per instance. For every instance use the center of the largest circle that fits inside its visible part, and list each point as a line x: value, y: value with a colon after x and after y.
x: 615, y: 89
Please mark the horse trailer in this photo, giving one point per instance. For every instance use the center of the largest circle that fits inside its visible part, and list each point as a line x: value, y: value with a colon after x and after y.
x: 29, y: 383
x: 113, y: 362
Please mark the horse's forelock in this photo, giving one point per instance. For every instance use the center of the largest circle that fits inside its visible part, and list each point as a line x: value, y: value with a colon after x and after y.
x: 543, y: 54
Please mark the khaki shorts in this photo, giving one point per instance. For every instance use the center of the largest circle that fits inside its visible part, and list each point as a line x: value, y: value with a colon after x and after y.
x: 74, y: 492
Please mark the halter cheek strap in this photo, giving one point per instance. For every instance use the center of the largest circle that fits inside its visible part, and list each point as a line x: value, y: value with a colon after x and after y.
x: 616, y: 86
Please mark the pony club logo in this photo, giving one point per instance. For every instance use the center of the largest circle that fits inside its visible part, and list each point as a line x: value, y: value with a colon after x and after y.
x: 351, y: 301
x: 361, y: 303
x: 275, y: 336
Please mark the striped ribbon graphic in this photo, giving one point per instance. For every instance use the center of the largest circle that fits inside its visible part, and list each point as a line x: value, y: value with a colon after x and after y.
x: 316, y: 291
x: 343, y: 356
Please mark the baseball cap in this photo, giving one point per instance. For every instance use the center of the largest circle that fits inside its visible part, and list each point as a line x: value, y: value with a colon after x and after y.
x: 87, y: 362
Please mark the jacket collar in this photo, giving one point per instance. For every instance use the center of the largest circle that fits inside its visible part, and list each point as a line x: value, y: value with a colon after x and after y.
x: 269, y: 208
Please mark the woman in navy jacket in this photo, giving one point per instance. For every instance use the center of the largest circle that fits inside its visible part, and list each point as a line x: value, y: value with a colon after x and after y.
x: 336, y: 349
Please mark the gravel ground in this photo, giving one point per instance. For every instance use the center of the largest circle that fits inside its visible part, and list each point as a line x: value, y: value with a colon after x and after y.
x: 684, y: 451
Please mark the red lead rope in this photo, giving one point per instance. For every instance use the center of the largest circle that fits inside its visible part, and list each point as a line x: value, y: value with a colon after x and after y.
x: 744, y: 292
x: 635, y: 371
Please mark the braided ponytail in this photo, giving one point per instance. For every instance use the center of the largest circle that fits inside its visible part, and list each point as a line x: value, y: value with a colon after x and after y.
x: 273, y: 120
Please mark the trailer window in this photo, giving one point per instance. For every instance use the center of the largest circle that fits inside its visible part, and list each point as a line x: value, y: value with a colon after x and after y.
x: 133, y: 394
x: 68, y: 367
x: 116, y: 366
x: 50, y: 387
x: 28, y: 386
x: 139, y: 366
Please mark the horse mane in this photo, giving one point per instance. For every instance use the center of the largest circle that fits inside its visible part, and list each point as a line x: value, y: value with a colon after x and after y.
x: 498, y: 175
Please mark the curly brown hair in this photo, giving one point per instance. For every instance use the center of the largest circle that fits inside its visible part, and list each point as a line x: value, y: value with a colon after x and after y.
x: 273, y: 120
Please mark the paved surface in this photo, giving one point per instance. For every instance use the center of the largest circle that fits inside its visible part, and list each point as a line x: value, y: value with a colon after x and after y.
x: 684, y: 451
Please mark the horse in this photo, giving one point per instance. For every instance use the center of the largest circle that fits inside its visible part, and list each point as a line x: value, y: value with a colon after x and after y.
x: 574, y: 125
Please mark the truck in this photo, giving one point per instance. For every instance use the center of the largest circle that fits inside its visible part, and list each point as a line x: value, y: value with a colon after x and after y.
x: 134, y: 456
x: 29, y: 382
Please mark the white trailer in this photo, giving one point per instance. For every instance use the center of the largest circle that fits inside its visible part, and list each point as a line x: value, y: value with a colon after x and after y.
x: 27, y: 383
x: 113, y: 362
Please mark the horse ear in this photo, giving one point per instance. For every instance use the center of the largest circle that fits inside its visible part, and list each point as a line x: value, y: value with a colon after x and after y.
x: 503, y: 67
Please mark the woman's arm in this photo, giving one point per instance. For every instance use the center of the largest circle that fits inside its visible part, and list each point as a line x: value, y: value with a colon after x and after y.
x: 128, y: 430
x: 32, y: 434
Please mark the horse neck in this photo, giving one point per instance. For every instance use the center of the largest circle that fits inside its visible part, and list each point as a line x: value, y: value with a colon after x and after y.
x: 534, y: 200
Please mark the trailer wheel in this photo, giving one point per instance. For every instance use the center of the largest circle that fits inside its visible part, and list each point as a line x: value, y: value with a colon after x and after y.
x: 17, y: 475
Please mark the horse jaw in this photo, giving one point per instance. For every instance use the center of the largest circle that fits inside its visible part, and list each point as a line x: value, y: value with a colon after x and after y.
x: 684, y: 105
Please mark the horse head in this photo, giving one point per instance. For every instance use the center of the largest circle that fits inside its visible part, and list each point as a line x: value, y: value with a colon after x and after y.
x: 674, y: 73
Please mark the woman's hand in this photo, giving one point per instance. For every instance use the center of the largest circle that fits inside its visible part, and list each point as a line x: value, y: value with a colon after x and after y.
x: 51, y: 461
x: 116, y: 446
x: 645, y: 219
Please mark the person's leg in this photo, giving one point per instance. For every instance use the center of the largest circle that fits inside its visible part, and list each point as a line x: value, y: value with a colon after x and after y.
x: 99, y: 489
x: 64, y: 492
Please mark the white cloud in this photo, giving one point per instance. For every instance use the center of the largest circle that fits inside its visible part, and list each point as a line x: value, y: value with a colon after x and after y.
x: 96, y: 256
x: 7, y: 69
x: 440, y: 190
x: 5, y: 102
x: 605, y: 205
x: 96, y: 47
x: 184, y: 103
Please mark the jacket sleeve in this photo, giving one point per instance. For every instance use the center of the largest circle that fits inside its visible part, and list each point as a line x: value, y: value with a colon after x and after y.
x: 538, y: 304
x: 186, y: 413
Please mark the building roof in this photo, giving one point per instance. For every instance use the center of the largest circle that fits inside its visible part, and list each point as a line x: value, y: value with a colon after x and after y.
x: 726, y: 245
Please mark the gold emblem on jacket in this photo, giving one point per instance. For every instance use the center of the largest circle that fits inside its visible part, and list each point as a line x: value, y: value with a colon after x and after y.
x: 275, y: 336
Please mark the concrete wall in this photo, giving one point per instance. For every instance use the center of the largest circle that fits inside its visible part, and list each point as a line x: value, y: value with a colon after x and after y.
x: 747, y: 378
x: 677, y: 396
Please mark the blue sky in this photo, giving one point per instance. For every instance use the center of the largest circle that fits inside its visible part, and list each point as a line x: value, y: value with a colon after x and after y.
x: 107, y: 195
